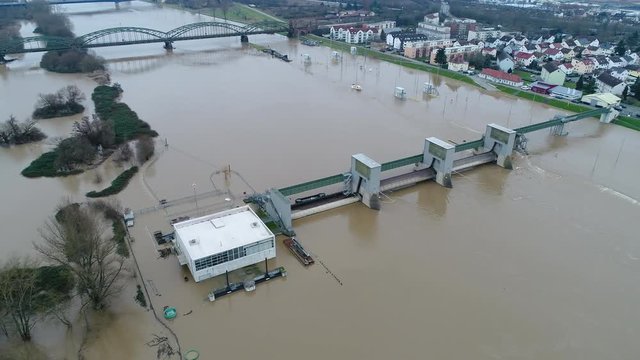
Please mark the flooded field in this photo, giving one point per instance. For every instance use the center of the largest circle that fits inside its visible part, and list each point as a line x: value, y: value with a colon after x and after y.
x: 540, y: 262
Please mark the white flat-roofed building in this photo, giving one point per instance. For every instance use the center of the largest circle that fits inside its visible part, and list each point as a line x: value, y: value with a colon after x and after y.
x: 214, y: 244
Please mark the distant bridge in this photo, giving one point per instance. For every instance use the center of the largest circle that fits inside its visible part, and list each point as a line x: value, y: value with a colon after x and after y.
x: 59, y: 2
x: 137, y: 35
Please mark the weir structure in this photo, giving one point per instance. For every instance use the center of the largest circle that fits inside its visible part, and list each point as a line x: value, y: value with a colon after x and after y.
x: 363, y: 182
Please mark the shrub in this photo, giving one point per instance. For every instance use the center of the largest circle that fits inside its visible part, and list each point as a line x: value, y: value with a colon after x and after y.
x: 117, y: 185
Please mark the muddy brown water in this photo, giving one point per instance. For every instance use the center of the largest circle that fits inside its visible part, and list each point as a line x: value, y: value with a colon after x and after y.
x: 537, y: 262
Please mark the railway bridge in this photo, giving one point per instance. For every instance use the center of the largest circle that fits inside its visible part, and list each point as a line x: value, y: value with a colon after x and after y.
x: 130, y: 35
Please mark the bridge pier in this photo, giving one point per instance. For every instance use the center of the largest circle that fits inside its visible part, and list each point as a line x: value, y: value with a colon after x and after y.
x: 168, y: 45
x: 607, y: 117
x: 438, y: 155
x: 244, y: 39
x: 501, y: 141
x: 365, y: 179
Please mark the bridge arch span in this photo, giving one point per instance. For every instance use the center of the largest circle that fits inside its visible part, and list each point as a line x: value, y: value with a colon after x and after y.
x: 35, y: 42
x: 206, y: 29
x: 119, y: 36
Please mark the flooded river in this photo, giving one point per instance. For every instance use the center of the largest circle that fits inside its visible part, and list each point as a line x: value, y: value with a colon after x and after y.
x: 540, y: 262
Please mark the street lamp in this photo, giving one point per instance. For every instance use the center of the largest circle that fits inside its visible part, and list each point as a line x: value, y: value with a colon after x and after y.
x: 195, y: 196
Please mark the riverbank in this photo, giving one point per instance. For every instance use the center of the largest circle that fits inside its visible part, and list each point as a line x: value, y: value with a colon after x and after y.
x: 394, y: 59
x: 625, y: 121
x: 237, y: 12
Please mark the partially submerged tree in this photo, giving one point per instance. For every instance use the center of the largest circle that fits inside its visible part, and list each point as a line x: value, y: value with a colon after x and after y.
x: 14, y: 133
x: 29, y: 293
x: 96, y: 131
x: 77, y: 239
x: 63, y: 102
x: 144, y: 149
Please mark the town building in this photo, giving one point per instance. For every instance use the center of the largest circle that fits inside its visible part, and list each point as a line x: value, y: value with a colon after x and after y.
x: 601, y: 100
x: 501, y: 77
x: 459, y: 27
x: 505, y: 62
x: 566, y: 93
x: 213, y: 244
x: 484, y: 34
x: 352, y: 35
x: 458, y: 64
x: 453, y: 51
x: 566, y: 68
x: 551, y: 74
x: 434, y: 31
x: 609, y: 84
x: 399, y: 40
x: 584, y: 66
x: 542, y: 88
x: 525, y: 59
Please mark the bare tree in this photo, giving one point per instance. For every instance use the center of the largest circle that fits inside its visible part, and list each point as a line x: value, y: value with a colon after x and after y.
x: 77, y: 239
x: 17, y: 294
x: 123, y: 154
x: 144, y: 149
x: 29, y: 293
x: 98, y: 132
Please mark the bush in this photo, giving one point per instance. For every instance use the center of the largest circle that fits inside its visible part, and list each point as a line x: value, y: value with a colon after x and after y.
x: 71, y: 61
x: 126, y: 123
x: 45, y: 166
x: 117, y: 185
x: 14, y: 133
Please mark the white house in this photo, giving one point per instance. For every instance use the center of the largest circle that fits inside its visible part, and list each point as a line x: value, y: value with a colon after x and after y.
x: 609, y: 84
x: 505, y: 62
x: 525, y: 59
x: 566, y: 68
x: 213, y: 244
x: 352, y: 35
x: 619, y: 73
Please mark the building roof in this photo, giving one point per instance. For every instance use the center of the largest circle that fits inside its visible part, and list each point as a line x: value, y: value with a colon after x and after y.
x: 608, y: 98
x: 567, y: 66
x: 570, y: 43
x: 566, y: 92
x: 502, y: 75
x: 550, y: 67
x: 506, y: 38
x: 220, y: 232
x: 592, y: 48
x: 524, y: 55
x: 578, y: 49
x: 503, y: 56
x: 542, y: 85
x: 552, y: 51
x: 616, y: 59
x: 566, y: 50
x: 608, y: 80
x: 531, y: 47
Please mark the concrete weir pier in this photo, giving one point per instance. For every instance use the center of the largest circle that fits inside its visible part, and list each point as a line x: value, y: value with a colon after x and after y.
x: 439, y: 159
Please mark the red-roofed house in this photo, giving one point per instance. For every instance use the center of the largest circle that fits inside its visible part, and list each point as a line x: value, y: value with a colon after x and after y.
x: 566, y: 68
x: 524, y: 58
x: 501, y: 77
x: 554, y: 54
x: 489, y: 51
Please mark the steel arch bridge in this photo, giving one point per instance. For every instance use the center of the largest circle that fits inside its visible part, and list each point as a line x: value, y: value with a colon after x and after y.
x: 137, y: 35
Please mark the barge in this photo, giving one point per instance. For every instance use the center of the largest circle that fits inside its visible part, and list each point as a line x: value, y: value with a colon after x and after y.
x: 303, y: 256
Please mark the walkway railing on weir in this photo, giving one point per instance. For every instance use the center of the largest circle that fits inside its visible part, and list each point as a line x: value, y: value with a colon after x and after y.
x: 414, y: 159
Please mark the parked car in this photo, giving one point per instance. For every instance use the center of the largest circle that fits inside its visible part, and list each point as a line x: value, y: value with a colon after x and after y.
x: 525, y: 87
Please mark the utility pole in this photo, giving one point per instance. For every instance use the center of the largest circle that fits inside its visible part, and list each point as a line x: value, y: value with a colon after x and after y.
x: 195, y: 196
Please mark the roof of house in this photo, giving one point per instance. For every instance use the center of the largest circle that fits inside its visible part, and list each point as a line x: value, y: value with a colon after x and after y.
x: 502, y: 75
x: 618, y: 69
x: 530, y: 47
x: 556, y: 45
x: 550, y: 67
x: 608, y: 80
x: 609, y: 98
x: 506, y: 38
x: 524, y: 55
x: 566, y: 50
x: 552, y: 52
x: 592, y: 48
x: 628, y: 58
x: 503, y: 56
x: 570, y: 43
x: 587, y: 61
x: 615, y: 59
x: 567, y: 66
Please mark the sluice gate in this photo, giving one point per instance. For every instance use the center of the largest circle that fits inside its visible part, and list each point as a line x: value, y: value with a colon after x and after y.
x: 439, y: 160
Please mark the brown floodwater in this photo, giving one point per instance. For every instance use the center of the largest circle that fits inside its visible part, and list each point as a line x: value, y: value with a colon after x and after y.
x: 537, y: 262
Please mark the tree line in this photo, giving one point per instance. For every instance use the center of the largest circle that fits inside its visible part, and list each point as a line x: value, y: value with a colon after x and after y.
x: 80, y: 261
